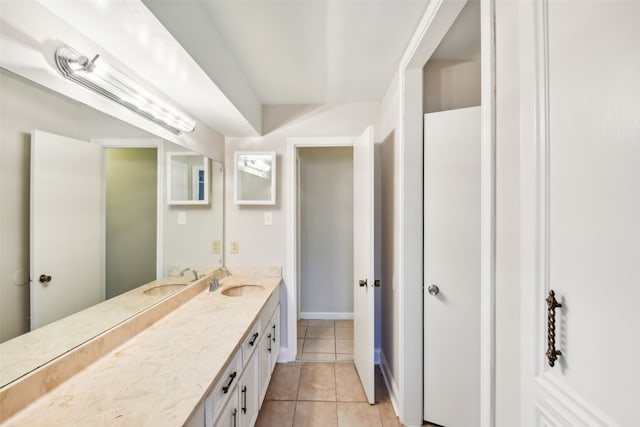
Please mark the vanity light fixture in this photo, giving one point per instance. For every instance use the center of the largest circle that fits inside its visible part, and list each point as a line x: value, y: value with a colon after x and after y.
x: 97, y: 75
x: 257, y: 167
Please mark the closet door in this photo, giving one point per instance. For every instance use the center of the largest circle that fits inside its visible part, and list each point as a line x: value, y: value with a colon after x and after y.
x: 580, y: 238
x: 452, y: 267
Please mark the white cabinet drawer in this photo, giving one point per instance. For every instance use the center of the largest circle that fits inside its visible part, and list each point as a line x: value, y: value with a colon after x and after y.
x: 223, y: 389
x: 250, y: 343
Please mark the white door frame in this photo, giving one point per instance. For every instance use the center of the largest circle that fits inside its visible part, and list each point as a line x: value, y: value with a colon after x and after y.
x: 288, y: 354
x: 437, y: 20
x: 147, y: 143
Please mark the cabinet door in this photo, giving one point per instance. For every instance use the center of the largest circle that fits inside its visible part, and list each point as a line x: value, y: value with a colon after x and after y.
x: 248, y: 393
x: 264, y: 363
x: 229, y: 415
x: 275, y: 337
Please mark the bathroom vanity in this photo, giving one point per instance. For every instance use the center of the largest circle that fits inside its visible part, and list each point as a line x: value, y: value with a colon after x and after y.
x: 206, y: 363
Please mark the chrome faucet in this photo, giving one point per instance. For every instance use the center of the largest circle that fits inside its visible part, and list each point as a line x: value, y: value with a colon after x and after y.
x: 213, y: 285
x: 195, y: 273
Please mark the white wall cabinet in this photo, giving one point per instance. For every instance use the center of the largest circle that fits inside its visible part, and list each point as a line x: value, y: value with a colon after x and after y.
x: 236, y: 399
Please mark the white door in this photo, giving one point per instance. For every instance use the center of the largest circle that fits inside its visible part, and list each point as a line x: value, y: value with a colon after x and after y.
x: 580, y: 217
x: 363, y: 261
x: 67, y: 227
x: 452, y: 267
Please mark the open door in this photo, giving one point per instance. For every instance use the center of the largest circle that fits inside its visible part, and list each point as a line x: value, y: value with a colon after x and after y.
x: 67, y: 227
x: 363, y: 261
x: 452, y: 267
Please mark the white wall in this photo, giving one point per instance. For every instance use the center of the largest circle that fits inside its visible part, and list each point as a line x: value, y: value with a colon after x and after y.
x: 266, y: 245
x: 451, y: 85
x: 387, y: 128
x: 326, y: 232
x: 26, y: 106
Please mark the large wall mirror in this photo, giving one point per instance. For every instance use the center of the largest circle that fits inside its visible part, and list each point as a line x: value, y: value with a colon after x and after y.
x: 145, y: 237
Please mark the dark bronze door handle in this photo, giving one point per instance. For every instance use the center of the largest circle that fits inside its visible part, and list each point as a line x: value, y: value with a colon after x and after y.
x: 552, y: 354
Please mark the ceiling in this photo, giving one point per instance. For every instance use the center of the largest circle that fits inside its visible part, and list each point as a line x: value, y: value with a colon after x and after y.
x: 302, y: 52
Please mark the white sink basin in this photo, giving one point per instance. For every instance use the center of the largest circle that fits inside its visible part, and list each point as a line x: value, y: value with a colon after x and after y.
x: 241, y: 290
x: 167, y: 289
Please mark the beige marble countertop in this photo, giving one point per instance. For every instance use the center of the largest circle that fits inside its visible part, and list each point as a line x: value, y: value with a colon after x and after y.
x: 22, y: 354
x: 158, y: 377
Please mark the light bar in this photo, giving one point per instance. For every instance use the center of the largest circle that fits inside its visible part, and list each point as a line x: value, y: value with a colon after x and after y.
x: 100, y: 77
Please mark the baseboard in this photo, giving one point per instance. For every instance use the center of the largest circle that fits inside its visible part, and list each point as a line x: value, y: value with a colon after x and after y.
x: 284, y: 356
x: 326, y: 315
x: 389, y: 381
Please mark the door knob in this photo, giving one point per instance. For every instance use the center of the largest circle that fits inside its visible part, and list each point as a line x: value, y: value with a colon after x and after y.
x: 45, y: 279
x: 433, y: 290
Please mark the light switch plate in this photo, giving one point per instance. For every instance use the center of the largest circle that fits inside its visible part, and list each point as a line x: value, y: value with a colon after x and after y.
x: 182, y: 218
x: 215, y: 246
x: 235, y: 247
x: 268, y: 218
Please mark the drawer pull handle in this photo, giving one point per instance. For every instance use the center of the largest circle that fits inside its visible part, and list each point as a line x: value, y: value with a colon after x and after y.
x: 234, y: 415
x: 244, y: 399
x: 226, y: 388
x: 552, y: 354
x: 274, y: 333
x: 269, y: 343
x: 253, y: 339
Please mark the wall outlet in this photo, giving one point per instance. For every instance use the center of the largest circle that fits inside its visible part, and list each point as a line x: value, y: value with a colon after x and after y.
x: 215, y: 246
x: 235, y: 247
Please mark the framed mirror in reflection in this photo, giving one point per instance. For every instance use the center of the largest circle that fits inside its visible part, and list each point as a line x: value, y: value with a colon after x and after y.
x: 254, y: 178
x: 188, y: 179
x: 138, y: 242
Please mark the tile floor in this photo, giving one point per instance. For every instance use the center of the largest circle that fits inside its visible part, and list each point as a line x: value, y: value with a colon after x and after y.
x: 323, y: 395
x: 325, y: 340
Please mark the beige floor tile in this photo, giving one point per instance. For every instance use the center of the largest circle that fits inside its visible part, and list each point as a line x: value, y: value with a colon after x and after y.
x: 318, y: 357
x: 344, y: 324
x: 285, y: 381
x: 348, y: 386
x: 317, y: 382
x: 382, y: 395
x: 315, y: 414
x: 276, y: 414
x: 302, y: 330
x: 302, y: 322
x: 319, y: 346
x: 344, y: 346
x: 358, y: 414
x: 344, y: 333
x: 320, y: 322
x: 300, y: 344
x: 320, y: 332
x: 387, y: 415
x: 344, y: 357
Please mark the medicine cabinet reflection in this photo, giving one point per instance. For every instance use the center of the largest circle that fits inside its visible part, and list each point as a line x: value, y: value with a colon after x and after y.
x: 254, y: 178
x: 188, y: 178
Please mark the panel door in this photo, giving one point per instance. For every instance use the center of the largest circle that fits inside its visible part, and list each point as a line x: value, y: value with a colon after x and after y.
x: 580, y: 184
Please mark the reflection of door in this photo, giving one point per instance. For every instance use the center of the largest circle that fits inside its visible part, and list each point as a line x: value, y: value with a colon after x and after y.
x: 363, y: 257
x: 580, y: 216
x: 67, y: 226
x: 452, y: 267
